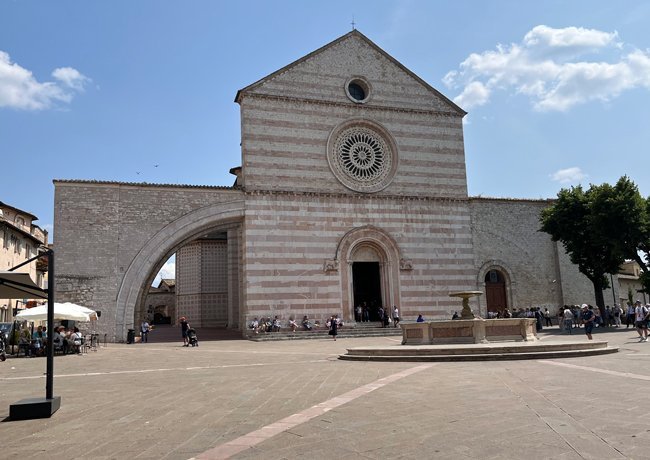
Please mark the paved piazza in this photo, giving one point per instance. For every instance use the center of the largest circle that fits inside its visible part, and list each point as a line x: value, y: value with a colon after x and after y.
x: 276, y: 400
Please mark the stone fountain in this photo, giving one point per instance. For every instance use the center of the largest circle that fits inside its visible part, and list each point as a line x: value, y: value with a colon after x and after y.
x: 466, y: 295
x: 472, y: 338
x: 469, y: 328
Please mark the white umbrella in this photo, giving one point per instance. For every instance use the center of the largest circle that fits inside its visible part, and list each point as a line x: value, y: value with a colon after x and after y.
x: 66, y: 310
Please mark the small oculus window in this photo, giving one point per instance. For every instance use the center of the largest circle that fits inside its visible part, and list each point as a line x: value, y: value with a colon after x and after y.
x: 357, y: 90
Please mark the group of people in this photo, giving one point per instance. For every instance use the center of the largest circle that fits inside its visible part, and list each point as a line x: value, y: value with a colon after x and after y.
x: 362, y: 314
x: 637, y: 315
x: 266, y: 325
x: 386, y: 317
x: 576, y: 316
x: 275, y: 325
x: 67, y: 340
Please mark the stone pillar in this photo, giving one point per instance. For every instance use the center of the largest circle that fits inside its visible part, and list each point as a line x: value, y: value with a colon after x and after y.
x: 235, y: 313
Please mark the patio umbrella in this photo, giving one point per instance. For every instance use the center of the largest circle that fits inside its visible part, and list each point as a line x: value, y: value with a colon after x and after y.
x: 19, y: 286
x: 66, y: 310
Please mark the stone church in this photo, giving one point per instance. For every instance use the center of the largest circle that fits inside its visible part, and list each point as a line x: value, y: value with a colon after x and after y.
x: 352, y: 188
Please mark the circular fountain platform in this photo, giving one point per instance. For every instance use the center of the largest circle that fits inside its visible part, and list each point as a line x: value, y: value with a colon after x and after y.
x: 479, y: 352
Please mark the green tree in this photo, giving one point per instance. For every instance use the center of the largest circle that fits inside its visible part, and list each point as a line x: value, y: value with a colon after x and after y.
x: 643, y: 250
x: 622, y: 218
x: 587, y: 226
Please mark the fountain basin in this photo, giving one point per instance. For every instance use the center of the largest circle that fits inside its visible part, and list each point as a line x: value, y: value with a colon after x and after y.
x: 469, y: 331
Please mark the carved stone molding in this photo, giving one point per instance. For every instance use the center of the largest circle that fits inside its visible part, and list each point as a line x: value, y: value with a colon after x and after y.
x: 405, y: 264
x: 331, y: 265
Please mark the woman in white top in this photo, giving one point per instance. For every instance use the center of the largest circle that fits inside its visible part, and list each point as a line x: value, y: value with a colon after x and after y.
x: 76, y: 339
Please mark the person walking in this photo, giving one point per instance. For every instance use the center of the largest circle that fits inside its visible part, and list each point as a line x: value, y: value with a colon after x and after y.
x: 629, y: 316
x: 144, y: 331
x: 537, y: 314
x: 184, y: 327
x: 617, y: 315
x: 567, y: 316
x: 547, y: 317
x: 395, y: 315
x: 587, y: 318
x: 641, y: 317
x: 334, y: 325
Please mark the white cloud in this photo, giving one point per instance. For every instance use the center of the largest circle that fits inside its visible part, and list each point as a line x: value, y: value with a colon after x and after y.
x: 568, y: 37
x: 551, y: 67
x: 70, y: 77
x: 167, y: 271
x: 475, y: 93
x: 568, y: 176
x: 20, y: 90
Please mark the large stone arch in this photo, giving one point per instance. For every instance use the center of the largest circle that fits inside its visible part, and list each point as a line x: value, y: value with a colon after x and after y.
x: 390, y: 262
x: 508, y: 273
x: 160, y: 247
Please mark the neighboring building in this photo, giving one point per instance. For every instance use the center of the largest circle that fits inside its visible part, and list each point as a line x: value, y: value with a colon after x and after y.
x: 630, y: 288
x: 202, y: 281
x: 352, y: 188
x: 20, y: 240
x: 160, y: 303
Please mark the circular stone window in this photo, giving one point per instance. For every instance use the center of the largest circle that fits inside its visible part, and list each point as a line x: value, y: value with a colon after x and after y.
x: 358, y: 90
x: 362, y: 157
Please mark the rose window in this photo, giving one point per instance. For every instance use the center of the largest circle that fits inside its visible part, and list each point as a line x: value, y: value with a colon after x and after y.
x: 361, y: 159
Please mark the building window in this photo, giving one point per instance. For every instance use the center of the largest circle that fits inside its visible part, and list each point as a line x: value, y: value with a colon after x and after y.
x: 362, y: 156
x: 5, y: 240
x: 358, y: 90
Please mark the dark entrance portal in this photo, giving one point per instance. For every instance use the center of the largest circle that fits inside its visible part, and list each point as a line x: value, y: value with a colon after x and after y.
x: 367, y: 287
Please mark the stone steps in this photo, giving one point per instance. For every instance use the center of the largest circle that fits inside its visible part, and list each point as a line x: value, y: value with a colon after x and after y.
x: 366, y: 331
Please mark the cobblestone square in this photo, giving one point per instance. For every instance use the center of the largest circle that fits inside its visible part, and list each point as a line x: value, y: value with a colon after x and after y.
x: 295, y: 399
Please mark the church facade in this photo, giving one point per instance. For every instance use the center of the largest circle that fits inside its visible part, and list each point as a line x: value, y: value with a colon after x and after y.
x: 352, y: 189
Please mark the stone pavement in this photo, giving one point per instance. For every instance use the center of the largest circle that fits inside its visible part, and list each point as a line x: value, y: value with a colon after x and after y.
x: 295, y: 399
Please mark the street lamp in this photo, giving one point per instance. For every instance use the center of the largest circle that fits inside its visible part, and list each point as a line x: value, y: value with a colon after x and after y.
x: 33, y: 408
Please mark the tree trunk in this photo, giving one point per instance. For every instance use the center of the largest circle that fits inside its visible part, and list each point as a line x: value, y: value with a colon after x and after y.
x: 600, y: 298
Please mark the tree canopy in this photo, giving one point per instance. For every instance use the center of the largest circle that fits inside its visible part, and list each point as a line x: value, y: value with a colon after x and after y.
x: 600, y: 228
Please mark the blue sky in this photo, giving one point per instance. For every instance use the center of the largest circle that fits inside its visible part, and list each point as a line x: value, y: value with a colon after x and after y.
x: 557, y: 92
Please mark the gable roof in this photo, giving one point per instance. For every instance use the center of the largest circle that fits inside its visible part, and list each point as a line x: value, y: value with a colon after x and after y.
x: 354, y: 33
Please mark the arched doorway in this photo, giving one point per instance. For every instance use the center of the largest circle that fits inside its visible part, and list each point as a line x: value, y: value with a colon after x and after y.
x: 375, y: 257
x: 366, y: 279
x: 495, y: 291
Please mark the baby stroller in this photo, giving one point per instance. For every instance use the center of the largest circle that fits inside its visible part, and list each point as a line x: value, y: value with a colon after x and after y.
x: 192, y: 339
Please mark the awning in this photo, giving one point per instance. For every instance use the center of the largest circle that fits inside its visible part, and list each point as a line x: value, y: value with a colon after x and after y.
x: 19, y: 286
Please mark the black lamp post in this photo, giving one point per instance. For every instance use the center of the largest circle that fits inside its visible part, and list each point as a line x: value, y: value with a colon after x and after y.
x: 33, y: 408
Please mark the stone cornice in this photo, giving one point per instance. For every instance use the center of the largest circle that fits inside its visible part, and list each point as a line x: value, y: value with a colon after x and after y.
x: 354, y: 196
x: 350, y: 106
x: 513, y: 200
x: 65, y: 182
